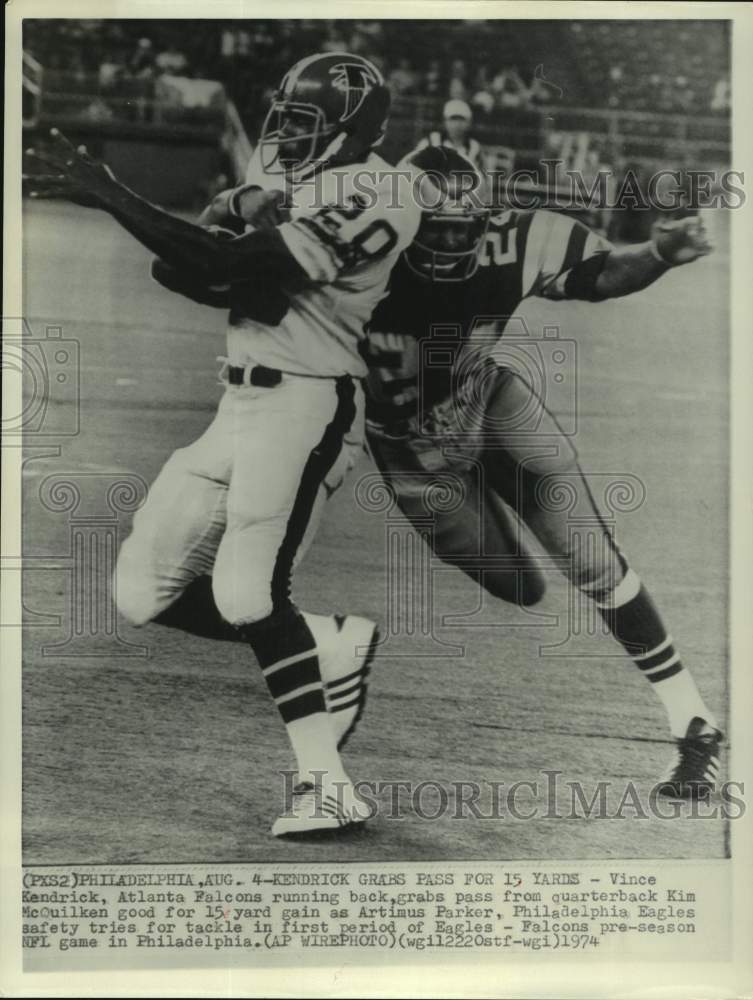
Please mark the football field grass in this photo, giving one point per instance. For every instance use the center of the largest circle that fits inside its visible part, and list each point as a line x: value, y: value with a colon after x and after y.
x: 175, y: 755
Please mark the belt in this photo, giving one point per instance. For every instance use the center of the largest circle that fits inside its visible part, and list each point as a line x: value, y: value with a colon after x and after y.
x: 253, y: 375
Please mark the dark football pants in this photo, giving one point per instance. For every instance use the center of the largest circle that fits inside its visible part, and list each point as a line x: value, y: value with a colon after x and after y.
x: 509, y: 464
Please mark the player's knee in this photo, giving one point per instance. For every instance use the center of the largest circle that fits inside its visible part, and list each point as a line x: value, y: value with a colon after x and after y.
x: 241, y: 599
x: 598, y: 577
x: 524, y: 588
x: 532, y: 587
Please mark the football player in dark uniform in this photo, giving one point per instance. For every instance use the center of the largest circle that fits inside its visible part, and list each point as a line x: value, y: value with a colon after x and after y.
x: 448, y: 397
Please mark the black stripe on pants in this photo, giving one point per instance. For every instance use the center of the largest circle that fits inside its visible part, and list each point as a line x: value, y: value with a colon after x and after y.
x: 319, y: 462
x: 285, y: 632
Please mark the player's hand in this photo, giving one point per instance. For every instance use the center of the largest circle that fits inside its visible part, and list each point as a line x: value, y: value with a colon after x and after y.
x: 56, y: 186
x: 262, y: 209
x: 681, y: 240
x: 71, y: 172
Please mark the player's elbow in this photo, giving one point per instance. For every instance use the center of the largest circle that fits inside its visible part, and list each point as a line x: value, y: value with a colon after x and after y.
x: 216, y: 266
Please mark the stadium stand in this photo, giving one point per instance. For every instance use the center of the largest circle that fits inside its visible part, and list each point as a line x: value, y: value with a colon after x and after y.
x: 604, y: 92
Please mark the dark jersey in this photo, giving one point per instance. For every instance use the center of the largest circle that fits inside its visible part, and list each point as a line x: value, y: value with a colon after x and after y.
x: 423, y: 333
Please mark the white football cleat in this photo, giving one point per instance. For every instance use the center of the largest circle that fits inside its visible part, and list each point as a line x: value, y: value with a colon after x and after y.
x: 321, y: 809
x: 346, y: 646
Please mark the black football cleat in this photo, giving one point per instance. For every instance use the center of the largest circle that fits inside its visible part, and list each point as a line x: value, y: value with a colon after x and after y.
x: 695, y: 769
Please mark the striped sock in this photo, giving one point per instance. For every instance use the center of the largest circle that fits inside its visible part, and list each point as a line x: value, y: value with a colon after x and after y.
x: 634, y: 621
x: 286, y: 652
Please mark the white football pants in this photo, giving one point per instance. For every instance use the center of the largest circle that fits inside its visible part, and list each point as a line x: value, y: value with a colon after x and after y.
x: 242, y: 503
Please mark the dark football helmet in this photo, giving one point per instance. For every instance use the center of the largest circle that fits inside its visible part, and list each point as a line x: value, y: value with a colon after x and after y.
x: 449, y: 239
x: 330, y: 108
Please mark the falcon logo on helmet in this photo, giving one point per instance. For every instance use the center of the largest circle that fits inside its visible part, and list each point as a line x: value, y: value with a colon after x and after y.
x: 355, y: 80
x: 452, y: 232
x: 330, y: 109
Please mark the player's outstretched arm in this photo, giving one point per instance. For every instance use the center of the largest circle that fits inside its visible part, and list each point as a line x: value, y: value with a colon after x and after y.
x: 631, y: 269
x: 230, y: 210
x: 182, y: 245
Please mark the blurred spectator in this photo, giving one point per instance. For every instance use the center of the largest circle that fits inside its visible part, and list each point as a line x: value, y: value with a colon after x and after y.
x: 684, y: 97
x: 172, y: 61
x: 509, y: 89
x: 483, y: 101
x: 458, y: 119
x: 98, y: 111
x: 665, y: 98
x: 402, y: 79
x: 110, y: 71
x: 433, y: 82
x: 235, y: 42
x: 142, y: 60
x: 614, y: 86
x: 721, y: 99
x: 366, y: 39
x: 542, y: 90
x: 458, y: 89
x: 336, y: 41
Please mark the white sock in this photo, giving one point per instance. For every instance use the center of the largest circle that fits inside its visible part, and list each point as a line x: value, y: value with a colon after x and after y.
x: 315, y: 748
x: 683, y: 702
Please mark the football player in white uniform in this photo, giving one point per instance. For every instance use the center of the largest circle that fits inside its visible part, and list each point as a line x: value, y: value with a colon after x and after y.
x: 242, y: 500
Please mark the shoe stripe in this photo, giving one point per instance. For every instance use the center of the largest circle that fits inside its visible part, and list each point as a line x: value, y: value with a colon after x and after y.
x: 333, y: 813
x: 346, y: 693
x: 345, y: 678
x: 324, y: 811
x: 365, y: 672
x: 347, y: 704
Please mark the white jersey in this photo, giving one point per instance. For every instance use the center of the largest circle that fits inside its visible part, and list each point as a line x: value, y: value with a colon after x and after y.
x: 348, y: 227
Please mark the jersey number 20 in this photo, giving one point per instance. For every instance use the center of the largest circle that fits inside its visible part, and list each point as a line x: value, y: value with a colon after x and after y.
x: 351, y: 244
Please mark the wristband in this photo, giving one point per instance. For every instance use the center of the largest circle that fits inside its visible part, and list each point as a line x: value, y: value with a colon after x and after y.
x: 233, y: 205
